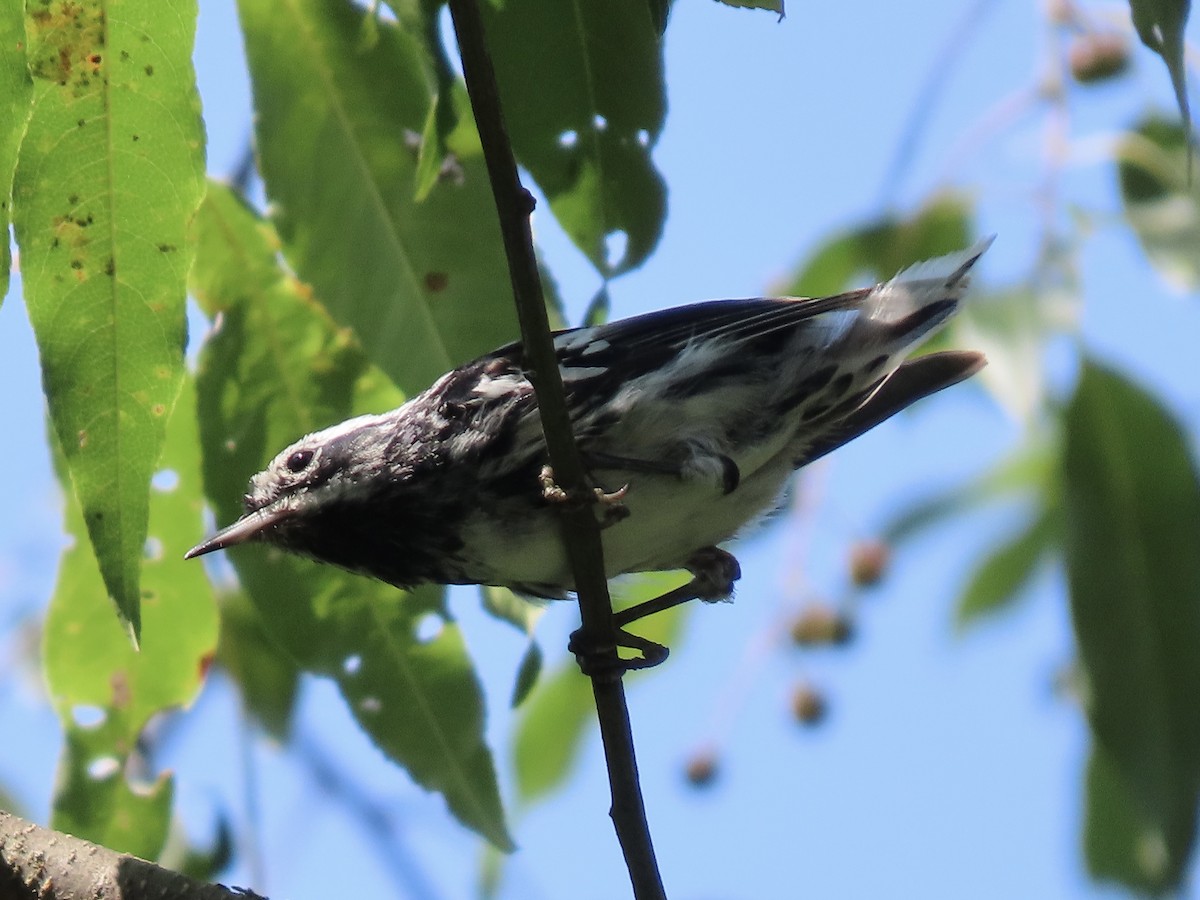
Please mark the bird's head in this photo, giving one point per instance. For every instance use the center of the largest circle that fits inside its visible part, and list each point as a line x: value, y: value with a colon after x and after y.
x: 304, y: 483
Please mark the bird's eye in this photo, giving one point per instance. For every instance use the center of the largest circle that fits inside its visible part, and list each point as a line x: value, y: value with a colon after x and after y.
x: 299, y: 460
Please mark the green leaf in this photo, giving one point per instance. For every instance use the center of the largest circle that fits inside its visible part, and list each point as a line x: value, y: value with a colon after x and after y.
x: 109, y: 175
x: 1119, y: 842
x: 1162, y: 201
x: 553, y: 725
x: 266, y: 676
x: 775, y: 6
x: 884, y: 247
x: 527, y: 674
x: 551, y: 731
x: 999, y: 579
x: 104, y: 690
x: 1011, y: 329
x: 16, y: 90
x: 93, y: 800
x: 1132, y: 526
x: 276, y: 368
x: 1160, y: 24
x: 522, y: 613
x: 423, y: 285
x: 596, y: 72
x: 660, y: 10
x: 205, y: 863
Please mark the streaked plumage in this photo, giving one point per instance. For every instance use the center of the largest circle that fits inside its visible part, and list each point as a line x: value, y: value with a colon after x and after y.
x: 703, y: 411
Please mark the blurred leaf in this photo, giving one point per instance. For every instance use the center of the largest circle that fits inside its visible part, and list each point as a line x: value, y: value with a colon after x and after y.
x: 276, y: 368
x: 1132, y: 503
x: 205, y: 864
x: 1031, y: 469
x: 1119, y: 843
x: 16, y: 90
x: 104, y: 690
x: 999, y: 579
x: 552, y: 727
x: 434, y: 161
x: 109, y: 175
x: 522, y: 613
x: 596, y: 72
x: 598, y: 308
x: 551, y: 730
x: 1011, y: 329
x: 882, y: 248
x: 660, y: 10
x: 423, y: 285
x: 775, y: 6
x: 1162, y: 202
x: 1160, y: 24
x: 93, y: 800
x: 266, y: 676
x: 527, y: 674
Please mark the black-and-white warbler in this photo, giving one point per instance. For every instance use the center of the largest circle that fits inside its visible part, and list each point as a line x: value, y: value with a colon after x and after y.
x: 696, y: 416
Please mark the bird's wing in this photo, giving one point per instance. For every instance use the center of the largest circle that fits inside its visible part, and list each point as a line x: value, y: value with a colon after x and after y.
x: 635, y: 346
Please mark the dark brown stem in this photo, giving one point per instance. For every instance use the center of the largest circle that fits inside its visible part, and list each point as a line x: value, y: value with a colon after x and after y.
x: 581, y: 532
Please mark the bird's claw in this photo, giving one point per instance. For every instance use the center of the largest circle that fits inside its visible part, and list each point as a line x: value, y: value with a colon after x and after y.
x: 614, y: 509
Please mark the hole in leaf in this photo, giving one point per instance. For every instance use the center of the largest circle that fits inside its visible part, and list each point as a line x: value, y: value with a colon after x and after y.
x: 352, y: 665
x: 599, y: 122
x: 568, y: 139
x: 103, y: 767
x: 428, y: 627
x: 643, y: 137
x: 165, y: 480
x: 87, y: 716
x: 616, y: 243
x: 370, y: 704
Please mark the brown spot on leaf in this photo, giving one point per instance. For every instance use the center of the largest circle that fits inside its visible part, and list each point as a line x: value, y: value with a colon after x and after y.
x: 64, y: 40
x: 118, y: 683
x: 436, y: 282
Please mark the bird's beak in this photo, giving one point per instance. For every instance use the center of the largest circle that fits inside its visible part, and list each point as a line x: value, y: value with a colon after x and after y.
x: 247, y: 528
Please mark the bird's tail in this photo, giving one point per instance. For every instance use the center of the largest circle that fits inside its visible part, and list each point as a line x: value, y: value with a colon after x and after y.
x: 919, y: 299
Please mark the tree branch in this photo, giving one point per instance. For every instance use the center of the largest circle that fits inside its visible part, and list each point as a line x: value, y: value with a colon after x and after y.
x: 39, y: 864
x: 581, y: 533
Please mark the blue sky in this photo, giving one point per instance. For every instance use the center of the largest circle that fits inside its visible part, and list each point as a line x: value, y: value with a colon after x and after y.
x: 948, y: 766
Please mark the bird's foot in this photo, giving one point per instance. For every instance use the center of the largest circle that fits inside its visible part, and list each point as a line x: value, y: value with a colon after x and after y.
x: 614, y: 509
x: 604, y: 663
x: 714, y: 572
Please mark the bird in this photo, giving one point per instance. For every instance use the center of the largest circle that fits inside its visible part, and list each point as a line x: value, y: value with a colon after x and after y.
x: 689, y: 420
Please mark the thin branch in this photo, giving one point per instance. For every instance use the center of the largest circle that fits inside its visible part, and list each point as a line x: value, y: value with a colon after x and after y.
x: 581, y: 533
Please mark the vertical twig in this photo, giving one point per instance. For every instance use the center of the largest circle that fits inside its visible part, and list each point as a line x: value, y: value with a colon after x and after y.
x: 581, y: 533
